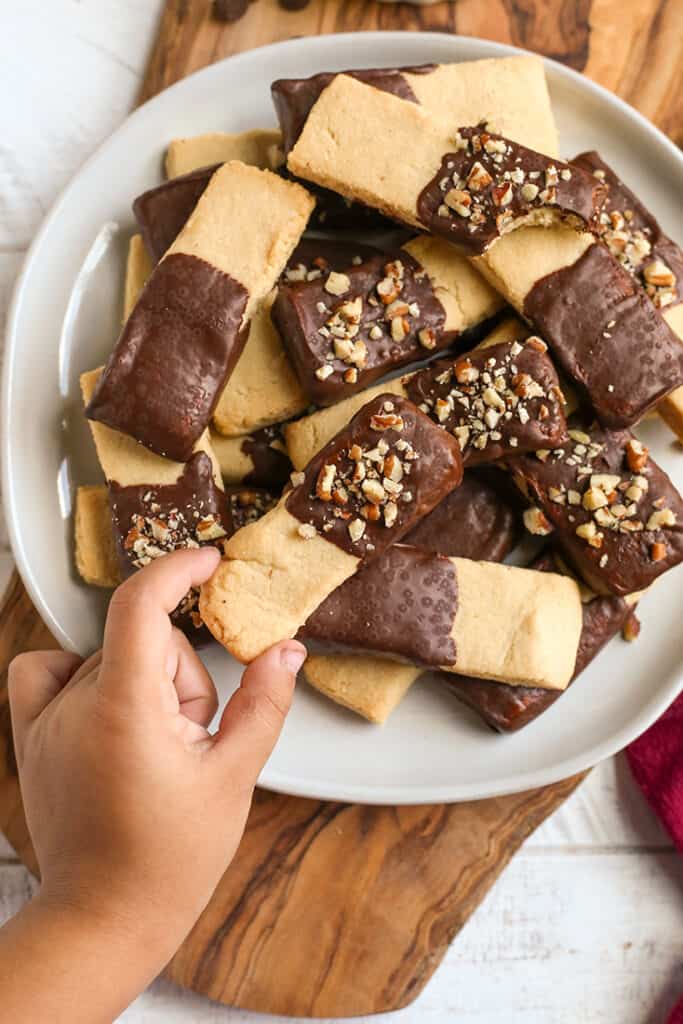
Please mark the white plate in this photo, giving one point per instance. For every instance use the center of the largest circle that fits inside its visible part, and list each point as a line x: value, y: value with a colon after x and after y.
x: 64, y: 320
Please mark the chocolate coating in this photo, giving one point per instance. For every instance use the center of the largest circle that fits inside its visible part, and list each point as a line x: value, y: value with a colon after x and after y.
x: 271, y: 465
x: 624, y: 561
x: 432, y: 467
x: 488, y: 182
x: 629, y: 233
x: 316, y: 255
x: 403, y: 605
x: 473, y: 521
x: 303, y: 310
x: 508, y: 708
x: 150, y: 521
x: 527, y: 389
x: 173, y: 357
x: 606, y: 334
x: 162, y: 212
x: 293, y: 98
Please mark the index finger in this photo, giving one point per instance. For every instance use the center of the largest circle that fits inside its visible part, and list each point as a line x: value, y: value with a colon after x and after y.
x: 138, y: 628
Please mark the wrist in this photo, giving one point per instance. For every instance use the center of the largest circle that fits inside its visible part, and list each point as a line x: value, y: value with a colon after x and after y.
x: 130, y: 931
x: 51, y: 957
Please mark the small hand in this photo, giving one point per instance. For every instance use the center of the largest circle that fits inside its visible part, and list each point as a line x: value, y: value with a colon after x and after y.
x: 135, y: 810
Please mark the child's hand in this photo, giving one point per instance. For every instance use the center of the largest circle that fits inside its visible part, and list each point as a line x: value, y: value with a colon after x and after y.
x: 134, y: 809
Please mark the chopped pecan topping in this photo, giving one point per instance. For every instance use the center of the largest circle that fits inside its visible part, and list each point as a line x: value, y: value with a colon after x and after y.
x: 362, y: 485
x: 477, y: 403
x: 386, y: 421
x: 382, y: 315
x: 636, y: 455
x: 536, y: 522
x: 489, y: 181
x: 337, y: 283
x: 631, y: 628
x: 658, y: 551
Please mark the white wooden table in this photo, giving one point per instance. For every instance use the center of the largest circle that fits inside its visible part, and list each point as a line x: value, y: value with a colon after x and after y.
x: 586, y: 925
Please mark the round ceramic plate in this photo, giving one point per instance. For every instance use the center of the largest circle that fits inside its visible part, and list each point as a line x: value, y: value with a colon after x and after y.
x: 65, y: 318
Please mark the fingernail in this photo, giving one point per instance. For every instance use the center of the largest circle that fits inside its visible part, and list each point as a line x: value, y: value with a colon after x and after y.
x: 292, y: 658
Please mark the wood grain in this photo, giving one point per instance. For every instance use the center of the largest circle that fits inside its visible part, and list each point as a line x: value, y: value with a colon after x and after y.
x: 332, y: 909
x: 21, y: 629
x: 339, y: 910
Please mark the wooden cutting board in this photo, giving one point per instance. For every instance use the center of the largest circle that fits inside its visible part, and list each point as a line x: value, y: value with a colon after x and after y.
x: 334, y: 910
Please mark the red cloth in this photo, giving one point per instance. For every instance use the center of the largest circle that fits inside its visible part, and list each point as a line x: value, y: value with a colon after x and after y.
x: 677, y: 1016
x: 656, y: 760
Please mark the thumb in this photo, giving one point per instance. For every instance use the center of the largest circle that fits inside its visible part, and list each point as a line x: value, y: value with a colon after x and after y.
x: 254, y: 715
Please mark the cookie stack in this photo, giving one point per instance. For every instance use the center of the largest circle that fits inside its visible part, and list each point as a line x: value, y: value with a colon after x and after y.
x: 361, y: 355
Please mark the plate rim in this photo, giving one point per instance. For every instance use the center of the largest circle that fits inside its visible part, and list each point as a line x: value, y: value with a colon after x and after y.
x: 279, y: 781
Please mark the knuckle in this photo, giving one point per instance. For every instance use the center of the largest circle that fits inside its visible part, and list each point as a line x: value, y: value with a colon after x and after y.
x: 128, y: 598
x: 20, y: 667
x: 277, y: 702
x: 21, y: 663
x: 263, y: 709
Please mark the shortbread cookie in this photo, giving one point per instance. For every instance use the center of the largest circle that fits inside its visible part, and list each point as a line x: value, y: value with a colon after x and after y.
x: 344, y: 330
x: 259, y: 147
x: 150, y: 521
x: 182, y: 340
x: 508, y: 708
x: 128, y: 462
x: 473, y: 618
x: 496, y: 401
x: 602, y: 328
x: 138, y: 474
x: 95, y: 551
x: 606, y: 334
x: 635, y: 239
x: 473, y: 521
x: 509, y: 94
x: 163, y: 210
x: 488, y: 185
x: 350, y: 117
x: 263, y: 388
x: 257, y: 460
x: 614, y: 513
x: 372, y: 687
x: 363, y: 492
x: 138, y: 269
x: 466, y: 296
x: 493, y: 91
